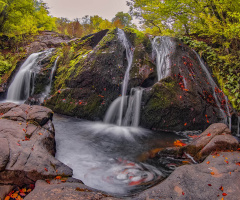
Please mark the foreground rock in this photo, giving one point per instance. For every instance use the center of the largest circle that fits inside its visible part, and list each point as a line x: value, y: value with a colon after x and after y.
x: 216, y: 137
x: 201, y: 181
x: 65, y: 191
x: 27, y: 145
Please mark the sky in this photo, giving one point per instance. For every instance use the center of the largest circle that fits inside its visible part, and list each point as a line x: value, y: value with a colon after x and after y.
x: 72, y: 9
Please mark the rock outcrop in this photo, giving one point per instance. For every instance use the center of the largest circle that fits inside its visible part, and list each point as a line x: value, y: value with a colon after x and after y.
x: 215, y: 178
x: 65, y: 191
x: 27, y: 145
x: 216, y: 137
x: 91, y: 71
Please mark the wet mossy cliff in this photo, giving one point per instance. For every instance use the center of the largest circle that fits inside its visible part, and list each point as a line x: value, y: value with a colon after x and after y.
x: 90, y: 72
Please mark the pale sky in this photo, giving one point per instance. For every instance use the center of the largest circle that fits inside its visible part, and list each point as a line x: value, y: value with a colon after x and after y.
x: 78, y: 8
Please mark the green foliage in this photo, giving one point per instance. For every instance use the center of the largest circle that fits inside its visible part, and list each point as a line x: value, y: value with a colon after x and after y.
x: 25, y: 16
x: 7, y: 64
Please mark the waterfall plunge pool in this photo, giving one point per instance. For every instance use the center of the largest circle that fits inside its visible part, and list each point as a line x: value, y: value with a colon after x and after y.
x: 109, y: 157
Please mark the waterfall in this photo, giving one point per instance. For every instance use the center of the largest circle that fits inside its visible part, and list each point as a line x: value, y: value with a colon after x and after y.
x: 162, y: 47
x: 134, y: 106
x: 48, y: 87
x: 213, y: 86
x: 129, y: 53
x: 23, y: 84
x: 115, y: 112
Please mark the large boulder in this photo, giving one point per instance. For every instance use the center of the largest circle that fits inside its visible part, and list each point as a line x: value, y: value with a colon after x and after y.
x: 27, y: 145
x: 65, y: 191
x: 216, y: 137
x: 216, y: 178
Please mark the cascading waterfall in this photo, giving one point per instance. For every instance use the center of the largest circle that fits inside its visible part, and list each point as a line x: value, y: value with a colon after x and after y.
x: 115, y: 113
x: 213, y: 85
x: 48, y: 87
x: 134, y: 105
x: 162, y: 48
x: 129, y: 53
x: 23, y: 84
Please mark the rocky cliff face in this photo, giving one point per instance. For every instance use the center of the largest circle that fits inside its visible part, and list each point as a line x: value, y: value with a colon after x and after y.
x: 91, y: 71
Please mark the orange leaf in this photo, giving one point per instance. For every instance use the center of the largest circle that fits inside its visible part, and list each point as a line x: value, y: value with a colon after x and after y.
x: 185, y: 124
x: 46, y: 169
x: 178, y: 143
x: 221, y: 188
x: 208, y: 162
x: 58, y: 177
x: 209, y: 134
x: 7, y: 198
x: 224, y: 194
x: 40, y: 133
x: 14, y: 195
x: 63, y: 181
x: 212, y: 173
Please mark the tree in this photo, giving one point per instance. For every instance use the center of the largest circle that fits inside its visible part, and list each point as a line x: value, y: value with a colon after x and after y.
x: 25, y: 16
x: 215, y: 18
x: 122, y: 18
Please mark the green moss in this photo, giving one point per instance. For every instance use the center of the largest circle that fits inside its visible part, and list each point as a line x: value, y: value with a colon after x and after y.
x: 164, y: 93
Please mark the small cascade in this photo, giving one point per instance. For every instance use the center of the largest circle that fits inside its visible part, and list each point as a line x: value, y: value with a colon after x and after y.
x: 129, y: 53
x: 162, y: 48
x: 227, y: 117
x: 23, y: 84
x: 48, y: 87
x: 134, y: 106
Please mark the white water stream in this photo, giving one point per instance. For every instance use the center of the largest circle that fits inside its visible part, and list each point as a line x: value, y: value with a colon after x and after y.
x: 23, y: 84
x: 49, y: 86
x: 162, y: 47
x: 226, y: 116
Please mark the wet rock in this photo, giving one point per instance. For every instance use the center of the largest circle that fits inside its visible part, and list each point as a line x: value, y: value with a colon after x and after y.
x: 5, y: 107
x: 65, y: 191
x: 196, y: 181
x: 28, y: 146
x: 45, y: 40
x: 4, y: 190
x: 220, y: 143
x: 216, y: 137
x: 209, y: 133
x: 4, y: 156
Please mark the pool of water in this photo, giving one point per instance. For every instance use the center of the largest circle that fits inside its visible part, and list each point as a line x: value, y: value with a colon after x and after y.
x: 108, y: 157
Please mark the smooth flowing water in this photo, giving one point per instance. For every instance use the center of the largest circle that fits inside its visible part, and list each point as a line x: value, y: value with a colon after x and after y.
x: 225, y: 114
x: 49, y: 86
x: 129, y: 53
x: 162, y: 47
x: 23, y: 84
x: 110, y: 157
